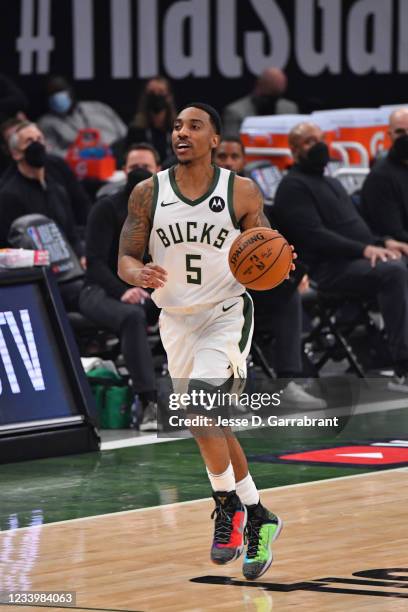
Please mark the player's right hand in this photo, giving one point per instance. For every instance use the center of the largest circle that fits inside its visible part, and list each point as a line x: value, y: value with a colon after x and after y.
x: 375, y: 253
x: 151, y: 275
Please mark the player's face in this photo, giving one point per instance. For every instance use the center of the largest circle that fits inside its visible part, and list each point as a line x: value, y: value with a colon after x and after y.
x: 229, y: 155
x: 193, y: 135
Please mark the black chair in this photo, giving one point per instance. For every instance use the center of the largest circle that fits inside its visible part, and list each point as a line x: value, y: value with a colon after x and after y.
x: 337, y: 323
x: 92, y: 340
x: 258, y: 356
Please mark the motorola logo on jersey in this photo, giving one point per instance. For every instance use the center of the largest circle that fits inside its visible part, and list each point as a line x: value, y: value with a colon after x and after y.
x: 217, y: 204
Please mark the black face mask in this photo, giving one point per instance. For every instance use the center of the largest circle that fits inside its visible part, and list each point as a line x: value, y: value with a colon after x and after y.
x: 400, y: 148
x: 316, y: 158
x: 156, y: 103
x: 265, y: 105
x: 35, y: 155
x: 134, y: 177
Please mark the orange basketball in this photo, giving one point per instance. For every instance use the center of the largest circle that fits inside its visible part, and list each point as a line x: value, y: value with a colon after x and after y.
x: 260, y: 258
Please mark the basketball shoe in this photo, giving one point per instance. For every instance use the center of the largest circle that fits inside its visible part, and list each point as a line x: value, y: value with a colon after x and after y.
x: 230, y: 520
x: 263, y: 527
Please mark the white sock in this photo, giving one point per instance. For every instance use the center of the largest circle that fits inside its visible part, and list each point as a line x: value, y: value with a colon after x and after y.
x: 247, y: 491
x: 224, y: 481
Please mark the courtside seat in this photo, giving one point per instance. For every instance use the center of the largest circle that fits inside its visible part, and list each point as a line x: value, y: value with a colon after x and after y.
x: 93, y: 340
x: 336, y: 320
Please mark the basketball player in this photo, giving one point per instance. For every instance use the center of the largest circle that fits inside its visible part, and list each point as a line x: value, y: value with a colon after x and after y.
x: 189, y: 215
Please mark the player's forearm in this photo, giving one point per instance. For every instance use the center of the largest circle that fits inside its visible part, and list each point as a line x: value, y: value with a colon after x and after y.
x: 129, y: 269
x: 255, y: 220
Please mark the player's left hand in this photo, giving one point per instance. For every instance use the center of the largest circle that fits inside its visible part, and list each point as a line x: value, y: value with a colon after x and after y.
x: 294, y: 256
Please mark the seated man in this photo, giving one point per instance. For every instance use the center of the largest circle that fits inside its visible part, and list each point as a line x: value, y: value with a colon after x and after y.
x: 315, y: 213
x: 31, y: 189
x: 7, y: 127
x: 55, y: 167
x: 144, y: 155
x: 230, y: 154
x: 265, y: 99
x: 384, y: 197
x: 278, y: 312
x: 111, y: 303
x: 67, y: 114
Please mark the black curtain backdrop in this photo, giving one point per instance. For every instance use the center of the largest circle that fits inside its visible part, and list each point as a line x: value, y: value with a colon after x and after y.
x: 336, y: 53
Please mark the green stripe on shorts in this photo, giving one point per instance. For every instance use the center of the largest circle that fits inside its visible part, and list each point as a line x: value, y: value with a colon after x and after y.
x: 248, y: 317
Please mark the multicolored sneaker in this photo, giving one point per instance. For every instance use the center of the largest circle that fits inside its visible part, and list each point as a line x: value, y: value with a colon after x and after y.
x: 230, y: 520
x: 262, y: 529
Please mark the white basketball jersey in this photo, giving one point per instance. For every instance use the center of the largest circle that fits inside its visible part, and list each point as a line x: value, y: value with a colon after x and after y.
x: 191, y: 239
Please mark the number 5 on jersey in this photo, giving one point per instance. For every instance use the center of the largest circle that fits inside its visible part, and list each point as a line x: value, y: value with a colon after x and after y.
x: 193, y: 272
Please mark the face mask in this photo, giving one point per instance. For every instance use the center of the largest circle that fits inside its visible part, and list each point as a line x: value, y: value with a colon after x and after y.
x: 400, y: 148
x: 35, y: 155
x: 316, y: 158
x: 60, y: 102
x: 134, y: 177
x: 156, y: 102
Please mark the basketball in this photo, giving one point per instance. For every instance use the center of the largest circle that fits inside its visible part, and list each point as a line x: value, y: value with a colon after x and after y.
x: 260, y: 258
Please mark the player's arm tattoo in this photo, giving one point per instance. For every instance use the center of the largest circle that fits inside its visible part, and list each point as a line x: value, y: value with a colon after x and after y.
x: 255, y: 216
x: 136, y: 229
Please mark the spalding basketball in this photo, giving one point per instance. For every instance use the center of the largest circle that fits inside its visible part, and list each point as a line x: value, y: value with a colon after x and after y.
x: 260, y: 258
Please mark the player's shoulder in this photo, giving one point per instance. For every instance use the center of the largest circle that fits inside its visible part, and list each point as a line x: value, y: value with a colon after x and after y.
x: 143, y: 192
x: 144, y: 185
x: 245, y: 186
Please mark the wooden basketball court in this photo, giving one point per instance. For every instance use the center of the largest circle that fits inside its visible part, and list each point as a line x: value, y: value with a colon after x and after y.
x: 158, y: 558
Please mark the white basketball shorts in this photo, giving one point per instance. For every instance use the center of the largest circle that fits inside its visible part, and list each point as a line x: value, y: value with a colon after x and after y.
x: 211, y: 344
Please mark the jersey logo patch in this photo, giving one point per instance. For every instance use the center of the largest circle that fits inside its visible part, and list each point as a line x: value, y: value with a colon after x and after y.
x: 168, y: 203
x: 225, y: 308
x: 217, y: 204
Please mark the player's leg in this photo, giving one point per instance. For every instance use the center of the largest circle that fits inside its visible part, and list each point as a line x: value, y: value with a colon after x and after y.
x: 180, y: 335
x: 263, y: 527
x: 229, y: 513
x: 234, y: 329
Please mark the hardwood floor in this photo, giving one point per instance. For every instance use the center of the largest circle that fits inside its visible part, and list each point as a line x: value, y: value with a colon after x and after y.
x: 158, y: 558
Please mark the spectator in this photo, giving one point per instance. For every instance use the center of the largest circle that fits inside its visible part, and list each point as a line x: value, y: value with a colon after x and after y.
x: 31, y: 190
x: 278, y: 313
x: 68, y: 115
x: 55, y: 167
x: 230, y: 154
x: 111, y: 303
x: 6, y: 130
x: 315, y: 213
x: 153, y: 122
x: 139, y: 155
x: 13, y: 102
x: 265, y: 99
x: 385, y: 190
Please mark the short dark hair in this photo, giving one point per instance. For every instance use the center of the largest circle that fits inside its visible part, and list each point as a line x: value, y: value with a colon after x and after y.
x: 215, y: 118
x: 233, y: 138
x: 143, y: 146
